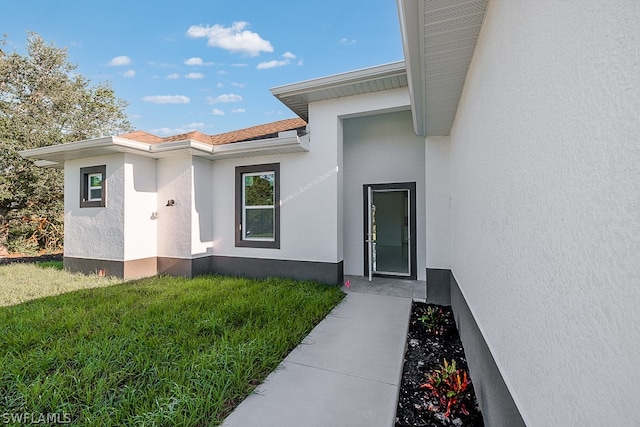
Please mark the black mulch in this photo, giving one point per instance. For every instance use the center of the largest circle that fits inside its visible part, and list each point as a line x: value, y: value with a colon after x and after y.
x: 425, y: 352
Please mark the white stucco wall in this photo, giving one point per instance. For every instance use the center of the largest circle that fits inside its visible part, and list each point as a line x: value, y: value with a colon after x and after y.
x: 202, y: 207
x: 95, y: 232
x: 140, y: 206
x: 307, y: 191
x: 174, y: 182
x: 438, y: 202
x: 326, y: 122
x: 545, y: 189
x: 380, y: 149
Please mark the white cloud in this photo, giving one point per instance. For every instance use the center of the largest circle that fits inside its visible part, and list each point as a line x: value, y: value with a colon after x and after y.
x: 239, y: 65
x: 347, y: 42
x: 238, y: 110
x: 217, y: 112
x: 219, y: 85
x: 167, y: 131
x: 240, y: 85
x: 235, y: 39
x: 167, y: 99
x: 173, y: 76
x: 301, y: 63
x: 273, y: 64
x: 193, y: 61
x: 224, y: 99
x: 194, y: 125
x: 177, y: 131
x: 288, y: 56
x: 194, y: 76
x: 196, y: 61
x: 223, y: 73
x: 119, y: 60
x: 129, y: 73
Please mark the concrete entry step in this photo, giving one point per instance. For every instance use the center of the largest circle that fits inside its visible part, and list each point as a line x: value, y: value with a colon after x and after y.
x: 404, y: 288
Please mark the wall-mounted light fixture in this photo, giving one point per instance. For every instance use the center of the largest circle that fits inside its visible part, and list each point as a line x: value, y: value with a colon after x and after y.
x: 171, y: 202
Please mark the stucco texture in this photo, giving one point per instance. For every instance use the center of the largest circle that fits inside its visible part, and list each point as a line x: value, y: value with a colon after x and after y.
x: 545, y: 186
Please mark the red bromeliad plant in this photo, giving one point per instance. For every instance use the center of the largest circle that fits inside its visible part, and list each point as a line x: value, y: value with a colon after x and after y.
x: 448, y: 384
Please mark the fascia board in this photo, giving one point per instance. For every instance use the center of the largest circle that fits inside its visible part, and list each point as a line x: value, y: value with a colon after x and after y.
x: 411, y: 26
x: 337, y: 80
x: 86, y: 148
x: 178, y: 148
x: 289, y: 144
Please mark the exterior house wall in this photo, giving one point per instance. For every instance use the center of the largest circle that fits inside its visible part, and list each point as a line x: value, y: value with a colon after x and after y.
x: 82, y: 237
x: 307, y: 194
x: 108, y: 238
x: 326, y: 123
x: 438, y: 202
x: 202, y: 207
x: 545, y: 164
x: 438, y: 218
x: 140, y: 206
x: 175, y: 182
x: 140, y: 225
x: 380, y: 149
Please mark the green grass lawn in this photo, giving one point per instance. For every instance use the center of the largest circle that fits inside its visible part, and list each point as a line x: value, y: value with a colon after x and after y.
x: 21, y: 282
x: 153, y: 352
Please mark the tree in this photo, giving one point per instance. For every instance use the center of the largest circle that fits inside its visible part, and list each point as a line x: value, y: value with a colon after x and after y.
x: 43, y: 101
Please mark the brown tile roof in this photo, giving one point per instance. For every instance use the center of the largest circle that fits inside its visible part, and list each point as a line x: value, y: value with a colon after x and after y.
x: 268, y: 130
x: 141, y: 136
x: 195, y: 135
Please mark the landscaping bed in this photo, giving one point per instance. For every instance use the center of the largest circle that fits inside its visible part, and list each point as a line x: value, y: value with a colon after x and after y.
x: 433, y: 392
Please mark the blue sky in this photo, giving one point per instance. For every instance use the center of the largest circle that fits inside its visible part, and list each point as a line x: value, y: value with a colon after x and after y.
x: 208, y: 65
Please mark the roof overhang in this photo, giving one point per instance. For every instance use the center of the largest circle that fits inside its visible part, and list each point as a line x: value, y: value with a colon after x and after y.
x: 54, y: 156
x: 439, y: 38
x: 298, y: 96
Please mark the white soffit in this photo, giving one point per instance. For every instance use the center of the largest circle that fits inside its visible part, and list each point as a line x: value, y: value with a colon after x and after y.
x: 439, y: 38
x: 298, y: 96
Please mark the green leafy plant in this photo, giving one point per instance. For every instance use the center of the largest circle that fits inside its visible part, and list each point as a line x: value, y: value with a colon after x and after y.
x: 448, y: 384
x: 434, y: 320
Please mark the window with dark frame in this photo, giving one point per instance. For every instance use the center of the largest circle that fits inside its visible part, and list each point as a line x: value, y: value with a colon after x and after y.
x: 93, y: 187
x: 258, y: 206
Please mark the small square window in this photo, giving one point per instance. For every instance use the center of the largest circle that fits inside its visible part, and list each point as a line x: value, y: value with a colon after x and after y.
x: 257, y: 206
x: 93, y: 187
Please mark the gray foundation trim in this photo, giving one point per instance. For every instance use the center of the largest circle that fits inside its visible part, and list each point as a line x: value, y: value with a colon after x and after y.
x: 439, y: 286
x: 93, y: 266
x: 184, y: 267
x: 175, y: 266
x: 496, y: 403
x: 137, y: 268
x: 133, y: 269
x: 324, y: 272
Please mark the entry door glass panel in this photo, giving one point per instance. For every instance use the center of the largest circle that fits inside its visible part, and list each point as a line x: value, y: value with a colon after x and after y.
x: 390, y: 217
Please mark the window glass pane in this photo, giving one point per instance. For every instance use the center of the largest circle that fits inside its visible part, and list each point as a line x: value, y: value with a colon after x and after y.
x: 95, y: 194
x: 259, y: 223
x: 95, y: 180
x: 259, y: 190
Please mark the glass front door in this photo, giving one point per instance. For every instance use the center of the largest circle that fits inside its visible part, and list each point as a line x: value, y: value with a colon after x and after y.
x: 389, y: 230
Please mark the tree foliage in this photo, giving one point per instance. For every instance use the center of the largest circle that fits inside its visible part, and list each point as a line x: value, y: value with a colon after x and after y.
x: 43, y: 101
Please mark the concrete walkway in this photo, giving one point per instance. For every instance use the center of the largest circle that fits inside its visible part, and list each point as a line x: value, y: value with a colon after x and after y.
x: 347, y: 370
